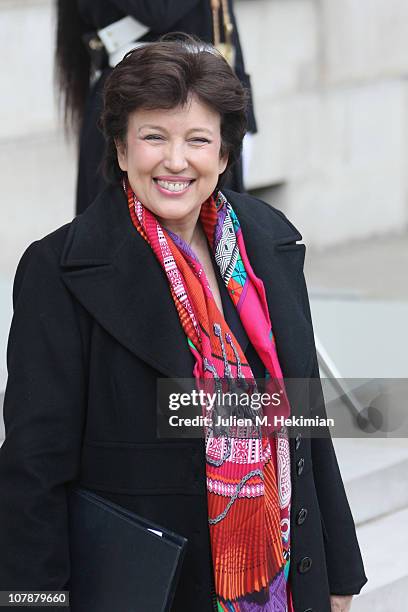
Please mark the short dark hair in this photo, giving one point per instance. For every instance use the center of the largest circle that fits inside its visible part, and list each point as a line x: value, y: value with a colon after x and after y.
x: 164, y: 75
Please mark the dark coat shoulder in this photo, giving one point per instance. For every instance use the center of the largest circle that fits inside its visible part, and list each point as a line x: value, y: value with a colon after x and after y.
x: 265, y: 216
x: 94, y: 327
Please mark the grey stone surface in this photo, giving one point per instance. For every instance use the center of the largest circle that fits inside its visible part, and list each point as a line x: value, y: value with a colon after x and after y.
x: 5, y: 321
x: 364, y: 338
x: 337, y: 141
x: 36, y: 194
x: 373, y: 268
x: 2, y: 434
x: 359, y: 295
x: 390, y: 597
x: 385, y: 562
x: 27, y: 102
x: 374, y: 475
x: 363, y: 40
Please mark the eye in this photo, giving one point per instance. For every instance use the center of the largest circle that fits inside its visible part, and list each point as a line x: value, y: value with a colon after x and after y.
x: 153, y: 137
x: 200, y: 140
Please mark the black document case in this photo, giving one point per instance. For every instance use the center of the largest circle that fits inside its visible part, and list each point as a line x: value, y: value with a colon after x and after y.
x: 117, y: 563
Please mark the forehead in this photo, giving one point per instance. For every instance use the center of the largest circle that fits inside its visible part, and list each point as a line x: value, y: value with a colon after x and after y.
x: 193, y: 115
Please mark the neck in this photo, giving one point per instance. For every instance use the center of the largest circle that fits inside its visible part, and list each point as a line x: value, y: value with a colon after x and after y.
x: 189, y: 230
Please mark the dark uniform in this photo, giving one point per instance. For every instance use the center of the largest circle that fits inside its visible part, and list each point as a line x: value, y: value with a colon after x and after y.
x: 161, y: 16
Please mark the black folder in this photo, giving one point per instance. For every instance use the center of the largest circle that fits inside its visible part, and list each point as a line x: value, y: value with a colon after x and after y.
x: 120, y: 562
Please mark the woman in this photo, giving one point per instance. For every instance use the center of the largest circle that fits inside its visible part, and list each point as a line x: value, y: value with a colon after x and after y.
x: 79, y: 55
x: 167, y: 276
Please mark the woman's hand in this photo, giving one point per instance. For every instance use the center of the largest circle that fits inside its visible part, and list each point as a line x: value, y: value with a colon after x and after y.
x: 340, y: 603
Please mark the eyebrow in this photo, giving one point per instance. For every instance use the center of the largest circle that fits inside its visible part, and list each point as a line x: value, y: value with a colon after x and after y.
x: 158, y: 127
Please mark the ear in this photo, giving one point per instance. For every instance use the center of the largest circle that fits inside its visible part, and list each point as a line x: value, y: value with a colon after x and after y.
x: 223, y: 163
x: 121, y: 151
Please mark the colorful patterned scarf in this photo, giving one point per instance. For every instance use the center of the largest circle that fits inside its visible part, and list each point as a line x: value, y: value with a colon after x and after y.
x: 248, y: 479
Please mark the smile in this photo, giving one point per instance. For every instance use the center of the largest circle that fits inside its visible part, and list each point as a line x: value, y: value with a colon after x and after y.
x: 173, y: 187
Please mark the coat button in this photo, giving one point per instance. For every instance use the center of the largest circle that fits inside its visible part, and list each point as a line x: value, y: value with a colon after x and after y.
x: 298, y: 440
x: 304, y: 565
x: 300, y: 465
x: 301, y: 517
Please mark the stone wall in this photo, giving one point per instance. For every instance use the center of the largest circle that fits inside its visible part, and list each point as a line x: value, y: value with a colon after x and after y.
x: 330, y: 93
x: 37, y: 165
x: 331, y: 99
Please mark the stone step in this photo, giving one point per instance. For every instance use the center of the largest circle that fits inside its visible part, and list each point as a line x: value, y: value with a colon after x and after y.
x: 374, y: 472
x: 385, y: 563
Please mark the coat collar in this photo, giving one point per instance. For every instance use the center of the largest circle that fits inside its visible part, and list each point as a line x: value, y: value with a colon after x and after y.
x: 114, y: 274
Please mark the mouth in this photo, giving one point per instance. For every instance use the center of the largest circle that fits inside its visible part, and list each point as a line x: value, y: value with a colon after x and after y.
x: 173, y: 187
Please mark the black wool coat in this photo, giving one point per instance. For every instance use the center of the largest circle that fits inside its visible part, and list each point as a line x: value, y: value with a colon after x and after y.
x: 161, y: 16
x: 94, y: 326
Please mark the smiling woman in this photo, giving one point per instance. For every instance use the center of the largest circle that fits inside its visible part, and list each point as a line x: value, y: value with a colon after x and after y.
x: 170, y: 164
x: 167, y: 274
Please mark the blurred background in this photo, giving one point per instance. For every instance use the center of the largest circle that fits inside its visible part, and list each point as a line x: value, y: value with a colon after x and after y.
x: 331, y: 100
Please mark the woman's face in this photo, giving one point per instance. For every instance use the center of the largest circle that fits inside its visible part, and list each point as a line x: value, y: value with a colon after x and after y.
x: 172, y: 158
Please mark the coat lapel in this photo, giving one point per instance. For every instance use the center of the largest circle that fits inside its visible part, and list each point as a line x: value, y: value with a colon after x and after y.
x: 113, y: 273
x: 116, y: 277
x: 278, y: 261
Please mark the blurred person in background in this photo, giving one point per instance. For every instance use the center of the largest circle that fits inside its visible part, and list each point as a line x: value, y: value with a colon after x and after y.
x: 94, y: 35
x: 167, y: 275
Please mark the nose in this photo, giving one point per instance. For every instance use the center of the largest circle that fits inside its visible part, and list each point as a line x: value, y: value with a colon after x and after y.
x: 175, y: 157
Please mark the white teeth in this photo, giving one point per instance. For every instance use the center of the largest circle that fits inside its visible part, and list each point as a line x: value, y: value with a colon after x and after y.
x: 173, y: 186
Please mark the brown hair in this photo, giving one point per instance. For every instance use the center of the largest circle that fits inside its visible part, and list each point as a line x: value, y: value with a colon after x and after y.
x: 164, y: 75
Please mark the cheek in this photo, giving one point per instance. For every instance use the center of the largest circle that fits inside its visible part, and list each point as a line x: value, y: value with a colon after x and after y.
x: 209, y: 161
x: 142, y: 159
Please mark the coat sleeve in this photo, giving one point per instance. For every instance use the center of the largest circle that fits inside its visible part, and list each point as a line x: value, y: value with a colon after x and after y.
x: 44, y: 415
x: 159, y: 16
x: 344, y: 564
